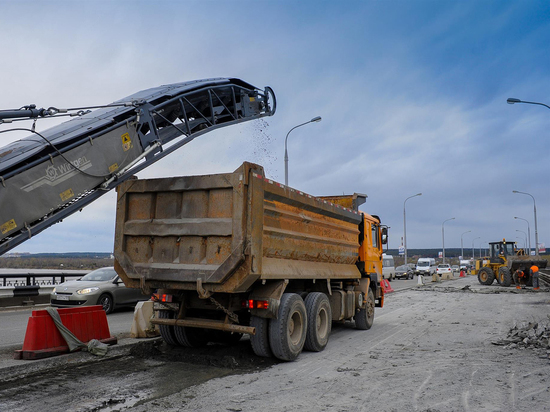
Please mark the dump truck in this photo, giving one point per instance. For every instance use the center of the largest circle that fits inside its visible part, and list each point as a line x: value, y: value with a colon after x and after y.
x: 56, y: 172
x: 236, y: 253
x: 503, y: 260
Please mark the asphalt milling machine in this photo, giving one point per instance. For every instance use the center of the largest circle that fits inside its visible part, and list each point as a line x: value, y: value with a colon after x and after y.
x: 49, y: 175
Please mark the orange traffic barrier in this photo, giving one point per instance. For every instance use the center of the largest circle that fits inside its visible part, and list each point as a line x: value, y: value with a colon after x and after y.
x: 43, y: 339
x: 386, y: 287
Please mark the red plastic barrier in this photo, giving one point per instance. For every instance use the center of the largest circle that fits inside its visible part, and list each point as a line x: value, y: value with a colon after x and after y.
x: 386, y: 287
x: 43, y: 339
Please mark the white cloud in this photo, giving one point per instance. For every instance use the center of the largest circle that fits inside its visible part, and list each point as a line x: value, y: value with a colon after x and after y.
x: 413, y: 99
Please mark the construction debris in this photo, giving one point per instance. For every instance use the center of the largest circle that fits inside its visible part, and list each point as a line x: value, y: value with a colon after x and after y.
x: 528, y: 335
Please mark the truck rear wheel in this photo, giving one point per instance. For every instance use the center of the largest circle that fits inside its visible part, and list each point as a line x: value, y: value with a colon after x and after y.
x: 287, y: 333
x: 319, y: 321
x: 505, y: 276
x: 166, y: 331
x: 190, y: 337
x: 364, y: 318
x: 260, y: 341
x: 486, y: 276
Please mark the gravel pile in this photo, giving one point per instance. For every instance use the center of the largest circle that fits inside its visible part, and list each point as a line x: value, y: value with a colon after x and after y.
x: 533, y: 335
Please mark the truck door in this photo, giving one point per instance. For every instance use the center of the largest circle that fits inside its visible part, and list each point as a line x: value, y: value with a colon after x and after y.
x: 370, y: 251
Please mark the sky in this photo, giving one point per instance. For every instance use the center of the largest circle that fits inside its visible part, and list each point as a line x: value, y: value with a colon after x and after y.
x: 412, y: 96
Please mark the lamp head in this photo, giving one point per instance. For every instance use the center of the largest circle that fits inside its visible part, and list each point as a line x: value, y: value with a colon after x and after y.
x: 316, y: 119
x: 512, y: 100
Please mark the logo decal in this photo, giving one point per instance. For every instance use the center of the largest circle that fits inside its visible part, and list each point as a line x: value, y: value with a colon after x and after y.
x: 56, y: 174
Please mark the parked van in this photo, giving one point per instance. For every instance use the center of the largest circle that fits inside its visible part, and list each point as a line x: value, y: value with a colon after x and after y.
x: 426, y: 266
x: 388, y: 267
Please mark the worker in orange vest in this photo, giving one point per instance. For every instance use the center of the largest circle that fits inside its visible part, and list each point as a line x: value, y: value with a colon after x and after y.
x: 519, y: 276
x: 535, y: 273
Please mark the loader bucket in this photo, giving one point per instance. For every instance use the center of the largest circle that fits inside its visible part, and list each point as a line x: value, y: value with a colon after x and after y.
x: 525, y: 262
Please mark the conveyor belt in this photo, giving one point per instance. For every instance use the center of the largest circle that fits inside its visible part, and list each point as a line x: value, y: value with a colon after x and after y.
x: 52, y: 174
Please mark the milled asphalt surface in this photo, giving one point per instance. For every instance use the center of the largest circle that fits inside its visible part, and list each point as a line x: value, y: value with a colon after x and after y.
x: 429, y: 350
x: 125, y: 343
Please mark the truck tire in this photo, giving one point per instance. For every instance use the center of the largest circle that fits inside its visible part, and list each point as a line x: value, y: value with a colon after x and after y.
x: 319, y: 321
x: 287, y: 333
x: 505, y: 276
x: 364, y: 318
x: 486, y: 276
x: 190, y: 337
x: 260, y: 341
x: 167, y: 332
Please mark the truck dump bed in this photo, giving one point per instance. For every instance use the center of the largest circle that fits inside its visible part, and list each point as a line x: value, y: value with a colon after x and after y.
x: 222, y: 233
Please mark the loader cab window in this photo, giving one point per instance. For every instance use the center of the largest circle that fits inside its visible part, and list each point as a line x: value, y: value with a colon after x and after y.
x: 375, y: 236
x: 506, y: 249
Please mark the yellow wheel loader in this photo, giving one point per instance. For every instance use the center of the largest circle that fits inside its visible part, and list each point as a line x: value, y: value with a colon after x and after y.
x: 504, y: 259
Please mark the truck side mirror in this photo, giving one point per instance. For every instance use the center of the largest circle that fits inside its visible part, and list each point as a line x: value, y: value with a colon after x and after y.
x: 384, y: 235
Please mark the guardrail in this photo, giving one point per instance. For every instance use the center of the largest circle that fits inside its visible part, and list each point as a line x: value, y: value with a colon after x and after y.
x: 21, y: 287
x: 23, y: 278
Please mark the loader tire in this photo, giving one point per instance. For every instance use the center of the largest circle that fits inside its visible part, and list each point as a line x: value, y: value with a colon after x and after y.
x: 287, y: 333
x: 260, y: 341
x: 505, y: 276
x: 319, y: 321
x: 166, y: 331
x: 364, y: 318
x: 486, y: 276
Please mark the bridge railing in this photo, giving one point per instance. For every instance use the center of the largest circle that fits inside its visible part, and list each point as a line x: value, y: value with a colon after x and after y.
x: 38, y: 278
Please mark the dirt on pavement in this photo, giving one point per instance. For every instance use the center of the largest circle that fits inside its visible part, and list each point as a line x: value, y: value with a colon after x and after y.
x: 450, y: 346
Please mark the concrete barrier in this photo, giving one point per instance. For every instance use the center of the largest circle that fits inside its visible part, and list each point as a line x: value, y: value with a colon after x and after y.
x: 24, y: 295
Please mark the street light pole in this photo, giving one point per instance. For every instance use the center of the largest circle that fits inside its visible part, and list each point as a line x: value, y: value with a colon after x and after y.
x: 528, y: 231
x: 511, y: 100
x: 535, y: 210
x: 405, y: 225
x: 473, y: 240
x: 480, y: 245
x: 443, y: 235
x: 462, y: 244
x: 525, y: 240
x: 315, y: 119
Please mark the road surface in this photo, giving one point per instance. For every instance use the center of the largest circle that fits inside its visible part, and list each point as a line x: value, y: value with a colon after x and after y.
x: 431, y: 349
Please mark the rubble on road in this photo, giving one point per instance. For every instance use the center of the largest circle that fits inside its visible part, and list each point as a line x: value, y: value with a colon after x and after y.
x: 532, y: 335
x: 482, y: 289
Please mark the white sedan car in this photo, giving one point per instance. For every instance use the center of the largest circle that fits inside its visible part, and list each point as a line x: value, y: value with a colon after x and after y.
x: 443, y: 269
